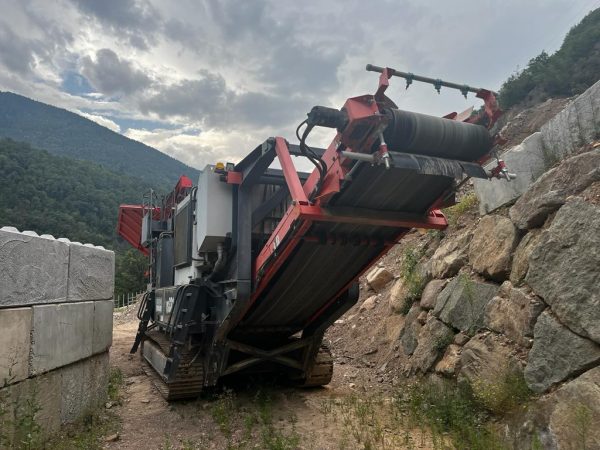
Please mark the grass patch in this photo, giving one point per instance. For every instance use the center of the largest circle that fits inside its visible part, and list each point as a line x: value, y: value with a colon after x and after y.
x: 449, y: 411
x: 504, y: 396
x: 467, y: 203
x: 115, y: 383
x: 86, y: 434
x: 252, y: 426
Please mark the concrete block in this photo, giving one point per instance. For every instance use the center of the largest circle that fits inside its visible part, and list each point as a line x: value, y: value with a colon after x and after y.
x: 84, y: 387
x: 62, y: 334
x: 99, y: 379
x: 103, y: 326
x: 15, y: 343
x: 91, y: 273
x: 33, y: 269
x: 38, y: 399
x: 527, y: 160
x: 75, y: 391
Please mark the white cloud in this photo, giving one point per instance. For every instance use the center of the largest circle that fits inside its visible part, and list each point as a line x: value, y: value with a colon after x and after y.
x: 243, y: 71
x: 111, y: 125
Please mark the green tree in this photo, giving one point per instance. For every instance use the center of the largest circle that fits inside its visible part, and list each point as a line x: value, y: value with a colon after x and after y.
x: 569, y: 71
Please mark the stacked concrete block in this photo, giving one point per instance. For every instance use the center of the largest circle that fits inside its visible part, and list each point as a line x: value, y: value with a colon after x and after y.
x: 56, y: 321
x: 15, y: 344
x: 33, y: 269
x: 61, y: 335
x: 576, y: 125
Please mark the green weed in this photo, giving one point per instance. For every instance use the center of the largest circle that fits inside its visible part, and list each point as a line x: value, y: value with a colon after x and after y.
x: 115, y: 383
x: 503, y: 395
x: 448, y: 411
x: 467, y: 203
x: 412, y: 279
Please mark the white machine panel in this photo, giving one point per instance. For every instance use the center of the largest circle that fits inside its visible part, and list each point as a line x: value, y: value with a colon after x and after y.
x: 214, y: 202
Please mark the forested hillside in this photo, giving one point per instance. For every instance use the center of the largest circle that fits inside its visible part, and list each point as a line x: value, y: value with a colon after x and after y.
x: 67, y: 198
x: 64, y: 133
x: 569, y: 71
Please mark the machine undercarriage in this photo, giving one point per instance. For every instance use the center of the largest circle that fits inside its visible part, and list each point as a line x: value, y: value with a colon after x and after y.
x: 250, y: 267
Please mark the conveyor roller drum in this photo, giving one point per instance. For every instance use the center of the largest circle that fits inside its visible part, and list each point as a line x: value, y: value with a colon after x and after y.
x: 421, y: 134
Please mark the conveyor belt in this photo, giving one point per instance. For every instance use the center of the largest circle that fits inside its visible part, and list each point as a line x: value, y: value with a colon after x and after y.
x: 317, y: 271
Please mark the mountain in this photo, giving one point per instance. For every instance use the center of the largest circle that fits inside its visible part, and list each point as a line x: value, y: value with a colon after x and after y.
x: 569, y: 71
x: 64, y: 133
x: 62, y: 196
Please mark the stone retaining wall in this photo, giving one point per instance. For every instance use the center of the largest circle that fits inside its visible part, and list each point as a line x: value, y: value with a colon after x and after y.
x: 55, y: 329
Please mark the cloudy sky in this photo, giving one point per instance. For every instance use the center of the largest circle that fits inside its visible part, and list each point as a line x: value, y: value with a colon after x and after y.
x: 207, y: 80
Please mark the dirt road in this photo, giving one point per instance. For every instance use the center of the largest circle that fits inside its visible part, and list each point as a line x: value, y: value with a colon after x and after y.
x: 260, y: 416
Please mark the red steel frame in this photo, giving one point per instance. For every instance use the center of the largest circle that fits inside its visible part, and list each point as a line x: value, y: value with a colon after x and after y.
x: 302, y: 214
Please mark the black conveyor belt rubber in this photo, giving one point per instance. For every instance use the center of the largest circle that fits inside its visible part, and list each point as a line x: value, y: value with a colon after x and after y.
x: 421, y: 134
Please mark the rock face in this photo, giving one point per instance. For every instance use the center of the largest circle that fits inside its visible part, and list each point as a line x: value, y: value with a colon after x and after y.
x: 526, y: 160
x: 410, y: 332
x: 551, y: 190
x: 462, y: 303
x: 564, y: 267
x: 492, y: 245
x: 520, y: 264
x: 564, y: 419
x: 431, y: 292
x: 557, y: 354
x: 577, y: 124
x: 450, y: 256
x: 513, y: 313
x: 434, y: 337
x: 378, y: 278
x: 486, y: 361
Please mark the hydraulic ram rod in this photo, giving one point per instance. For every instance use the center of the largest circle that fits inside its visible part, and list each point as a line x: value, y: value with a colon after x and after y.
x: 437, y: 83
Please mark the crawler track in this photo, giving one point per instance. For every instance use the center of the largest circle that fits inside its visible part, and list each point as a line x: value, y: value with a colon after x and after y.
x: 190, y: 374
x: 322, y: 370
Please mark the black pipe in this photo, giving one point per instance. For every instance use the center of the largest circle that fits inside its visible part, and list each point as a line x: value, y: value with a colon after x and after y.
x: 409, y: 77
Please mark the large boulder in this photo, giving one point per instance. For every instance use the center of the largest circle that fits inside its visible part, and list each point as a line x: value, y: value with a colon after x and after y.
x: 485, y: 362
x: 564, y: 267
x: 520, y: 264
x: 557, y: 354
x: 513, y: 313
x: 564, y: 419
x: 551, y: 190
x: 434, y: 337
x: 462, y: 303
x: 451, y: 255
x: 431, y: 292
x: 490, y: 252
x: 378, y: 278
